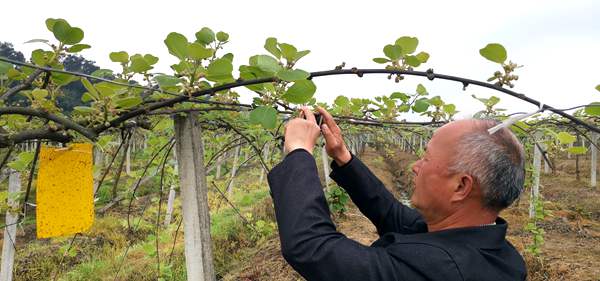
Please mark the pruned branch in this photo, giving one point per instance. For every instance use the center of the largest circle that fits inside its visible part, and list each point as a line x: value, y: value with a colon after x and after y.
x: 66, y: 123
x: 23, y: 86
x: 45, y: 133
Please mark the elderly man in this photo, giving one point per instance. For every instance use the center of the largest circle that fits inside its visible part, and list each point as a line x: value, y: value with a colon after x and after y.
x: 463, y: 181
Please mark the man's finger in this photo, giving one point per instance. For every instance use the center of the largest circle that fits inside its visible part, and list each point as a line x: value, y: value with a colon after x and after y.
x: 329, y: 120
x: 308, y: 114
x: 329, y: 137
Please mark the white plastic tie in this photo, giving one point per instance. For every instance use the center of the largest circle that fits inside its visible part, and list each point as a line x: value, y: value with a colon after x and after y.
x: 514, y: 119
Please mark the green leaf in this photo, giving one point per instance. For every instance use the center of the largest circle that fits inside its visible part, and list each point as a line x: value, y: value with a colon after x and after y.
x: 105, y: 91
x: 252, y: 72
x: 598, y: 88
x: 566, y: 138
x: 78, y: 48
x: 22, y: 161
x: 66, y: 34
x: 41, y: 57
x: 494, y: 52
x: 198, y: 52
x: 577, y: 150
x: 401, y: 96
x: 150, y: 59
x: 50, y: 23
x: 220, y: 71
x: 436, y: 101
x: 36, y: 41
x: 39, y: 94
x: 381, y: 60
x: 301, y: 92
x: 90, y: 88
x: 228, y: 56
x: 408, y: 44
x: 102, y: 73
x: 342, y: 101
x: 4, y: 67
x: 14, y: 74
x: 122, y: 57
x: 301, y: 54
x: 288, y: 51
x: 292, y: 75
x: 421, y: 90
x: 62, y: 79
x: 128, y: 102
x: 423, y: 57
x: 139, y: 64
x: 394, y: 52
x: 421, y: 105
x: 165, y: 81
x: 265, y: 63
x: 593, y: 109
x: 449, y: 109
x: 222, y: 36
x: 177, y: 45
x: 493, y: 100
x: 84, y: 109
x: 182, y: 66
x: 87, y: 97
x: 271, y: 47
x: 205, y: 36
x: 265, y: 116
x: 412, y: 61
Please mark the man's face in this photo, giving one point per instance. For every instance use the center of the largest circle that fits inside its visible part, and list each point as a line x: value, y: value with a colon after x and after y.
x: 434, y: 184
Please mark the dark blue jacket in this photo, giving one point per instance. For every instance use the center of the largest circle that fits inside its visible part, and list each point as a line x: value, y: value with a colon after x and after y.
x: 404, y: 251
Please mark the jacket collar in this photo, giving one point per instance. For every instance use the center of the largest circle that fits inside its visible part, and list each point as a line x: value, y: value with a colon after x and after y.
x: 483, y: 237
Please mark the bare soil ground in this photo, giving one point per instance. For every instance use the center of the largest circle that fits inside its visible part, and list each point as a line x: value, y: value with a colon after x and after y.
x: 572, y: 240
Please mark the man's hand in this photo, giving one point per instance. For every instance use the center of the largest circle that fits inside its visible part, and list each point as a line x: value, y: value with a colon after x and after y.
x: 334, y: 142
x: 302, y: 133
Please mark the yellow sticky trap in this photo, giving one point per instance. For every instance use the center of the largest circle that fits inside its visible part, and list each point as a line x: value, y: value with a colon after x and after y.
x: 65, y: 200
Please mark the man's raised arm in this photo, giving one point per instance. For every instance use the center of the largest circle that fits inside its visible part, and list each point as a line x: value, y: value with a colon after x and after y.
x: 374, y: 200
x: 365, y: 189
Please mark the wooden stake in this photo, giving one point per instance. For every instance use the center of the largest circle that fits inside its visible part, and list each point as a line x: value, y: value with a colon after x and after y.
x: 10, y: 231
x: 194, y: 190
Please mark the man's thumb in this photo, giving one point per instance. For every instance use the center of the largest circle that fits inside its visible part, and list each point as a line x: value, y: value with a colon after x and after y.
x: 329, y: 138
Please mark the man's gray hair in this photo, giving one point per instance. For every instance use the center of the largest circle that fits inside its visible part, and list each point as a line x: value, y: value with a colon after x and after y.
x: 496, y: 162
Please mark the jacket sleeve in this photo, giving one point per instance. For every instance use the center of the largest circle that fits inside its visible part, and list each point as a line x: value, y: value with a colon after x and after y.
x: 375, y: 201
x: 309, y: 240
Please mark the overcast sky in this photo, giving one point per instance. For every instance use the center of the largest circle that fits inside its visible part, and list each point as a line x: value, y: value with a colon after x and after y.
x: 558, y: 42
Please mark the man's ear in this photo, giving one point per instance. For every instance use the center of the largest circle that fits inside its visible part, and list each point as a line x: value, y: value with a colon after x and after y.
x: 465, y: 184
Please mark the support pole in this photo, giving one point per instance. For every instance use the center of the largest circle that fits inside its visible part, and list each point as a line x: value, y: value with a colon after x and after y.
x: 266, y: 151
x: 325, y: 167
x: 10, y: 231
x: 234, y: 169
x: 170, y: 203
x: 128, y: 157
x: 594, y: 159
x: 546, y: 164
x: 192, y: 178
x: 535, y: 188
